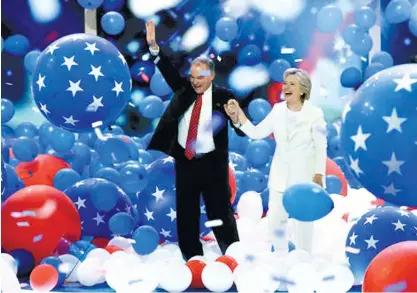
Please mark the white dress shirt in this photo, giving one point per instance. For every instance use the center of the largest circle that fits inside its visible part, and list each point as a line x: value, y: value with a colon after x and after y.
x: 205, y: 141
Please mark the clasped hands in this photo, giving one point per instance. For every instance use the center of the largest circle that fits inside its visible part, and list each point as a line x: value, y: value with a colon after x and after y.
x: 234, y: 111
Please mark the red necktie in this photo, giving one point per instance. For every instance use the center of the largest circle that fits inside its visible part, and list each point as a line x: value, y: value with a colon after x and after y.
x: 193, y: 128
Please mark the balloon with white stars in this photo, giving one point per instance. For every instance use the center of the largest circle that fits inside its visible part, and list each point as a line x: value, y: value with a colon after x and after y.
x: 81, y: 79
x: 379, y: 134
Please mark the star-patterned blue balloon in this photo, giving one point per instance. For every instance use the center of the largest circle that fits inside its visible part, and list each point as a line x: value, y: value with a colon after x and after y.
x: 375, y: 231
x: 81, y: 79
x: 97, y: 200
x: 157, y: 208
x: 379, y: 136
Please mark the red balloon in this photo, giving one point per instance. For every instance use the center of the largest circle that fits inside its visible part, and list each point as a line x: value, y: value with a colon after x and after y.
x: 196, y: 267
x: 113, y: 248
x: 232, y: 184
x: 333, y: 169
x: 100, y: 242
x: 40, y: 171
x: 229, y: 261
x: 394, y: 269
x: 274, y: 93
x: 35, y: 218
x: 43, y: 278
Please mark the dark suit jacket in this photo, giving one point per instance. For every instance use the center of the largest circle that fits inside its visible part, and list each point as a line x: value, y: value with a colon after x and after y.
x: 165, y: 138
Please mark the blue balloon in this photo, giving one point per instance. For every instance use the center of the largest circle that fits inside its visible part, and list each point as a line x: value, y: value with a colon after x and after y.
x: 226, y: 29
x: 113, y: 5
x: 56, y: 263
x: 133, y: 178
x: 413, y: 12
x: 329, y: 18
x: 350, y: 178
x: 351, y: 77
x: 250, y: 55
x: 17, y: 45
x: 90, y: 4
x: 258, y: 152
x: 25, y: 149
x: 273, y: 24
x: 122, y: 224
x: 159, y: 86
x: 81, y: 248
x: 307, y: 202
x: 109, y: 174
x: 88, y: 138
x: 237, y: 144
x: 25, y: 261
x: 81, y: 79
x: 26, y: 129
x: 333, y: 184
x: 113, y: 23
x: 7, y: 131
x: 45, y: 133
x: 378, y: 135
x: 14, y: 183
x: 142, y: 71
x: 82, y: 152
x: 146, y: 240
x: 3, y: 179
x: 365, y: 17
x: 397, y: 11
x: 145, y: 157
x: 239, y: 162
x: 259, y: 109
x: 372, y: 69
x: 112, y: 150
x: 352, y: 33
x: 254, y: 180
x: 97, y: 200
x: 5, y: 153
x: 333, y: 147
x: 31, y: 60
x: 151, y: 107
x: 7, y: 110
x: 277, y: 69
x: 114, y: 130
x: 62, y: 140
x: 65, y: 178
x: 412, y: 25
x: 383, y: 58
x: 375, y: 231
x: 363, y: 45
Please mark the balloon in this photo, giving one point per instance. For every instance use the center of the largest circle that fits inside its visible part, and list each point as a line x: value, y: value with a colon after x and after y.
x: 274, y: 93
x: 333, y: 169
x: 109, y: 174
x: 365, y: 17
x: 159, y: 86
x: 26, y: 129
x: 44, y: 278
x: 142, y: 71
x: 196, y: 267
x: 253, y: 179
x: 383, y: 58
x: 112, y: 23
x: 7, y: 110
x: 277, y: 69
x: 226, y: 29
x: 25, y: 149
x: 92, y: 84
x: 146, y: 240
x: 113, y: 5
x: 375, y: 231
x: 65, y: 178
x: 121, y: 224
x: 90, y: 4
x: 56, y: 263
x: 362, y: 45
x: 41, y: 170
x: 329, y: 18
x: 399, y: 266
x: 351, y: 77
x: 412, y: 25
x: 13, y: 183
x: 232, y: 184
x: 238, y: 161
x: 258, y: 152
x: 259, y: 109
x: 51, y: 207
x: 4, y: 180
x: 16, y: 45
x: 250, y: 55
x: 347, y: 172
x: 333, y: 184
x: 352, y: 33
x: 151, y: 107
x: 133, y: 178
x: 25, y: 261
x: 273, y: 24
x: 31, y: 60
x: 97, y: 201
x: 378, y: 135
x: 307, y: 202
x: 229, y: 261
x: 372, y: 69
x: 397, y: 11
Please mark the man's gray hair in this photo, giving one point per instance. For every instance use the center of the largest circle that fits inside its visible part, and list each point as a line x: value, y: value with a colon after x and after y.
x: 204, y: 60
x: 304, y: 80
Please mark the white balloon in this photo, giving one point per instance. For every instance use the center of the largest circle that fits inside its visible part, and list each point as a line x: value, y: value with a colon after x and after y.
x: 250, y: 206
x: 298, y: 256
x: 262, y: 230
x: 160, y: 254
x: 246, y: 229
x: 9, y: 281
x: 239, y: 251
x: 173, y: 248
x: 70, y: 265
x: 175, y: 277
x: 217, y: 277
x: 335, y: 279
x: 7, y: 258
x: 304, y: 278
x: 99, y: 253
x: 121, y: 242
x: 88, y: 274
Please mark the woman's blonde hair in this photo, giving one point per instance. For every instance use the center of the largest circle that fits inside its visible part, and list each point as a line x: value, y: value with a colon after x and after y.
x: 304, y: 80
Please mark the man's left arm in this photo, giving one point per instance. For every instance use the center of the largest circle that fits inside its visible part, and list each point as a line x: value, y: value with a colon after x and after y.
x: 239, y: 132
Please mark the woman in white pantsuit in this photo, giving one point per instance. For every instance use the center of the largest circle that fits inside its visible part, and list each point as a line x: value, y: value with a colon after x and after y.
x: 300, y: 155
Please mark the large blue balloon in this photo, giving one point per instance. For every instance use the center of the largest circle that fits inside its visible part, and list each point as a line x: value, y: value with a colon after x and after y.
x: 329, y: 18
x: 397, y: 11
x: 81, y: 79
x: 379, y: 135
x: 375, y: 231
x: 307, y: 202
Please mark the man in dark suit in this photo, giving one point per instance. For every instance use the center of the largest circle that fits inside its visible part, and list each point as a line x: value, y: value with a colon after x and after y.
x: 194, y: 130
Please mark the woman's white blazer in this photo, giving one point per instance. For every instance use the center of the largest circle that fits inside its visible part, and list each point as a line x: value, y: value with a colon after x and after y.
x: 299, y: 154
